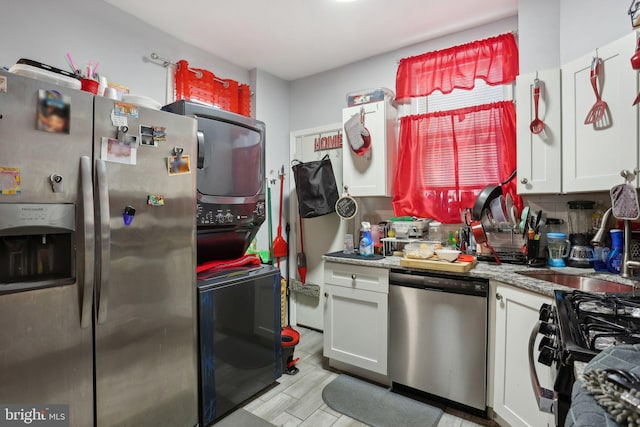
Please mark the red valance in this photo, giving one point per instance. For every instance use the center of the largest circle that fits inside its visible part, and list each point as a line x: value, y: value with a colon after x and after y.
x: 495, y: 60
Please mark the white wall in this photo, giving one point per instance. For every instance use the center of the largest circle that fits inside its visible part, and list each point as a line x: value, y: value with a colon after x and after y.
x: 272, y: 107
x: 552, y: 32
x: 588, y: 24
x: 45, y: 30
x: 538, y: 34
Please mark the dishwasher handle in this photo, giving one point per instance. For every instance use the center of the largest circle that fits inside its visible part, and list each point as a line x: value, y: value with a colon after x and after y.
x: 440, y: 283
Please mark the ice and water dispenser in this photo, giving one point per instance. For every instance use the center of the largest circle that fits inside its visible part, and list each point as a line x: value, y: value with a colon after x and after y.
x: 37, y: 245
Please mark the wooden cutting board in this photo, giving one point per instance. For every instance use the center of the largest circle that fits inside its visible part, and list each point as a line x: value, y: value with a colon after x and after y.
x: 435, y: 264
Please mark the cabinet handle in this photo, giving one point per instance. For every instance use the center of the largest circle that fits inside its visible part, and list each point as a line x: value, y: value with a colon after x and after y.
x: 524, y: 181
x: 499, y: 297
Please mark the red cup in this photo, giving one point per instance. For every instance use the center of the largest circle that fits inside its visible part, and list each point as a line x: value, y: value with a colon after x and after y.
x: 89, y: 85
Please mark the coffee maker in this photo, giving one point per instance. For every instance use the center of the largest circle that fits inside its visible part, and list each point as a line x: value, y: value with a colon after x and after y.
x: 581, y: 253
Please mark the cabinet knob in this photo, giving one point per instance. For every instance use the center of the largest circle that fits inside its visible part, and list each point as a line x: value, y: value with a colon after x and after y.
x: 326, y: 295
x: 524, y: 181
x: 499, y: 297
x: 354, y: 276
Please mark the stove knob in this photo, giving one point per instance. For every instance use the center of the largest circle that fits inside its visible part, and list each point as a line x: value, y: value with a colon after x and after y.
x: 228, y: 217
x: 545, y: 312
x: 547, y: 328
x: 547, y: 356
x: 547, y: 342
x: 219, y: 218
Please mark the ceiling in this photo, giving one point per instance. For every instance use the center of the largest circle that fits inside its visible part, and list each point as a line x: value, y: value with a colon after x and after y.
x: 292, y: 39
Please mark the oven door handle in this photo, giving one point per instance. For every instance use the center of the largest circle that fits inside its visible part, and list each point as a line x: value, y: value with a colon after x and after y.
x: 547, y: 399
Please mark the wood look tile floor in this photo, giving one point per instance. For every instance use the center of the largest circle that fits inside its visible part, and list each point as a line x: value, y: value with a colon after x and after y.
x: 297, y: 399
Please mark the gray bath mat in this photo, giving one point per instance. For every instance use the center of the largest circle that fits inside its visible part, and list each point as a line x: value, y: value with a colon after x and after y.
x: 377, y: 406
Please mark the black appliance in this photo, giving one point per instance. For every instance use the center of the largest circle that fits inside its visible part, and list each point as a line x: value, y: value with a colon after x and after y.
x: 239, y: 342
x: 230, y: 179
x: 577, y: 327
x: 581, y: 252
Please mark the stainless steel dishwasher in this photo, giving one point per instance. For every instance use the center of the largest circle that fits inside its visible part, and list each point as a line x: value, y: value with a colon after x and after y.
x: 438, y: 335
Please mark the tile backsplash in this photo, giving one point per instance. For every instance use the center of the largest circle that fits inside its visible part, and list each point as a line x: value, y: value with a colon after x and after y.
x: 556, y: 206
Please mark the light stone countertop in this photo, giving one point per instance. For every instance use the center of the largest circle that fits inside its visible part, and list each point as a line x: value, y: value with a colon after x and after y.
x: 505, y: 273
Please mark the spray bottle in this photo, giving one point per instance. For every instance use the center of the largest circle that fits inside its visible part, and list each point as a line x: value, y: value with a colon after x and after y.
x: 366, y: 243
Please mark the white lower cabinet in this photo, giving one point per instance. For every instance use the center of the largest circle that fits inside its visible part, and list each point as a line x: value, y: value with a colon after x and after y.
x: 516, y: 313
x: 356, y: 316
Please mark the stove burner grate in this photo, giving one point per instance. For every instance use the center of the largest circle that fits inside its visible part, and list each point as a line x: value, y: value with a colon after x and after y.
x: 605, y: 320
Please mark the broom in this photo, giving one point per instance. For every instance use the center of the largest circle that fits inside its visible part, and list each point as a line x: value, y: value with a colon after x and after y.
x: 280, y: 247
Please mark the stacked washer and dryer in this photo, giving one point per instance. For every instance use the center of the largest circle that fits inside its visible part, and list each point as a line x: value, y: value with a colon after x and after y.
x: 239, y: 308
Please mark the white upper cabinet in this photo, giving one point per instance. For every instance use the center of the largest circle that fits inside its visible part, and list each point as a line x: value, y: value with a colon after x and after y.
x: 372, y: 173
x: 539, y: 154
x: 594, y: 154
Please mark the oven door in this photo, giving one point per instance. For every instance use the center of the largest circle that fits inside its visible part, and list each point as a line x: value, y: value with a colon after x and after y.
x: 547, y: 399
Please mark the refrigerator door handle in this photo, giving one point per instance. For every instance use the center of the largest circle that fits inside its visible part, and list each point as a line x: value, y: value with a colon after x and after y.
x: 89, y: 241
x: 104, y: 216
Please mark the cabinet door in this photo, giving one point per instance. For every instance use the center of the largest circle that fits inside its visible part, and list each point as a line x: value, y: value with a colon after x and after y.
x: 592, y: 157
x: 356, y: 327
x: 372, y: 173
x: 539, y: 155
x: 513, y: 398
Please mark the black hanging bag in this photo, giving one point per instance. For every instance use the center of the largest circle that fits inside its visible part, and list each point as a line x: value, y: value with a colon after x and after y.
x: 316, y: 187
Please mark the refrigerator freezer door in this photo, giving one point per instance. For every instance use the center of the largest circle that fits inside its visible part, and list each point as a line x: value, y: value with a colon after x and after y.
x: 45, y: 353
x: 145, y: 328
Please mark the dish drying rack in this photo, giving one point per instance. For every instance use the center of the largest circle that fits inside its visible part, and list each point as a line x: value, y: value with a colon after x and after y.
x: 396, y: 244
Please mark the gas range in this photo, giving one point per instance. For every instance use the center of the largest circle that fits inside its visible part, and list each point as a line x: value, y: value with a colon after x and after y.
x: 576, y: 328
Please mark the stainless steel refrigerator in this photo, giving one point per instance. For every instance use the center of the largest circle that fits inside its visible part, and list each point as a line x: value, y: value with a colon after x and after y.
x: 97, y: 257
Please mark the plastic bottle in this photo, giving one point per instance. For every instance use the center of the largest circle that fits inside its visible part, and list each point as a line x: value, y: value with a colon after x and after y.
x: 366, y: 243
x: 615, y: 255
x: 601, y: 255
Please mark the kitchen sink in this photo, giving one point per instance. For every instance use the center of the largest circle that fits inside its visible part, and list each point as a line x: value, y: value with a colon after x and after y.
x: 583, y: 283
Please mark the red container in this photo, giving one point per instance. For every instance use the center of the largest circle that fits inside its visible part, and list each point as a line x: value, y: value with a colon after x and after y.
x: 196, y: 84
x: 89, y: 85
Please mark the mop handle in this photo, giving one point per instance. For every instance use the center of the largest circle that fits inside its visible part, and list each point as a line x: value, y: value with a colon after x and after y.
x: 281, y: 191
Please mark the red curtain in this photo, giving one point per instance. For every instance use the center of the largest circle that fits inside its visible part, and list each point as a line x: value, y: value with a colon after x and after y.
x: 446, y: 158
x: 495, y: 60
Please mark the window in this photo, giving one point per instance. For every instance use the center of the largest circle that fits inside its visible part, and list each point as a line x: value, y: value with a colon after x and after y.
x: 482, y: 93
x: 453, y: 144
